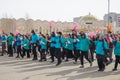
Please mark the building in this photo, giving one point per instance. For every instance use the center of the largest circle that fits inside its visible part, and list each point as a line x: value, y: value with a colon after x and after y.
x: 87, y: 23
x: 112, y: 18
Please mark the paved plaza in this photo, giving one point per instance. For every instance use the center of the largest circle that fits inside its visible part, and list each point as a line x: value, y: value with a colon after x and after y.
x: 26, y: 69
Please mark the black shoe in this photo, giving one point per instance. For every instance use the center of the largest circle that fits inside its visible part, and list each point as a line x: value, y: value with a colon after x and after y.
x: 45, y: 59
x: 91, y: 64
x: 101, y: 70
x: 17, y: 57
x: 28, y: 57
x: 111, y: 60
x: 119, y: 62
x: 1, y: 55
x: 34, y: 59
x: 40, y: 60
x: 82, y: 66
x: 66, y: 60
x: 10, y: 56
x: 58, y: 63
x: 114, y: 70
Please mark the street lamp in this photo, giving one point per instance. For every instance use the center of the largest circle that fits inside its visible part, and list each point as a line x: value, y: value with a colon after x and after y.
x: 108, y: 11
x: 109, y: 28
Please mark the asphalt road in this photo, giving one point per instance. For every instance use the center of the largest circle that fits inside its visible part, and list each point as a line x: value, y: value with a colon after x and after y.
x: 26, y: 69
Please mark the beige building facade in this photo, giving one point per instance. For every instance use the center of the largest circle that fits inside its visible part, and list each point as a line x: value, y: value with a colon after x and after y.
x: 88, y: 23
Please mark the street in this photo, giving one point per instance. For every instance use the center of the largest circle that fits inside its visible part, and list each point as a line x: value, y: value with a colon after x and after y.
x: 26, y: 69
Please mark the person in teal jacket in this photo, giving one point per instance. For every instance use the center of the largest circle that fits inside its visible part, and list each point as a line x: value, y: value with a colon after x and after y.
x: 39, y: 45
x: 52, y: 46
x: 101, y: 47
x: 76, y: 43
x: 69, y: 48
x: 34, y: 41
x: 58, y: 46
x: 10, y: 41
x: 116, y: 52
x: 26, y: 46
x: 63, y: 42
x: 43, y: 43
x: 4, y: 40
x: 84, y: 47
x: 19, y: 44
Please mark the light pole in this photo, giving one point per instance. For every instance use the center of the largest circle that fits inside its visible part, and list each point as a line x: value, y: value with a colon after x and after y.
x: 108, y: 12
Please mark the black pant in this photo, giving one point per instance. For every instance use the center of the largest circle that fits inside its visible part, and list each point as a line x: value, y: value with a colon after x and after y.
x: 63, y: 53
x: 39, y: 49
x: 19, y: 51
x: 10, y: 50
x: 117, y: 60
x: 42, y: 54
x: 110, y: 51
x: 34, y: 51
x: 76, y: 54
x: 52, y: 52
x: 69, y: 54
x: 26, y: 50
x: 92, y: 54
x: 84, y: 54
x: 58, y: 54
x: 100, y: 61
x: 3, y: 49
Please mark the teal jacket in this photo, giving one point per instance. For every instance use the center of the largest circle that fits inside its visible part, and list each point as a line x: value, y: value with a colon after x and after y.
x: 58, y: 42
x: 84, y: 44
x: 52, y: 44
x: 69, y: 44
x: 26, y: 44
x: 77, y: 44
x: 63, y: 42
x: 116, y: 48
x: 100, y: 47
x: 10, y: 40
x: 35, y: 38
x: 43, y: 43
x: 4, y: 39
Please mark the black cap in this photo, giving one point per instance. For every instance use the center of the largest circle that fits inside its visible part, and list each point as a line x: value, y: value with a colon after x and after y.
x: 40, y: 33
x: 32, y: 31
x: 59, y: 33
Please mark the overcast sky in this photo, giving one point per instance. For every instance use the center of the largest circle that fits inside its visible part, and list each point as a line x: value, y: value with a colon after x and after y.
x: 57, y: 10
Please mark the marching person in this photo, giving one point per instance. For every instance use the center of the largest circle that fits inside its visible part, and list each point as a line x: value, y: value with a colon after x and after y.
x: 63, y: 42
x: 76, y: 48
x: 19, y: 45
x: 34, y: 40
x: 58, y: 48
x: 10, y: 41
x: 84, y: 47
x: 116, y: 52
x: 69, y: 47
x: 39, y: 45
x: 101, y: 45
x: 26, y: 46
x: 110, y: 37
x: 43, y: 43
x: 48, y: 44
x: 92, y: 47
x: 4, y: 40
x: 52, y: 46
